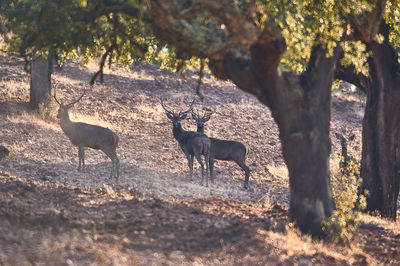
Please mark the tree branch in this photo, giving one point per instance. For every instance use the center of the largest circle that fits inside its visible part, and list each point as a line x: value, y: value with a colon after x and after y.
x: 182, y: 24
x: 349, y: 75
x: 366, y: 25
x: 319, y: 65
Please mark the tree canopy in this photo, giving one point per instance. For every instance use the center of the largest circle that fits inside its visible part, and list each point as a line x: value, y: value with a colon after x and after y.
x: 136, y: 30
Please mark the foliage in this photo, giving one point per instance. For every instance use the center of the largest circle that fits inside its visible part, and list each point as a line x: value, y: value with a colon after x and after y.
x: 62, y: 27
x: 355, y: 54
x: 340, y: 227
x: 392, y: 16
x: 305, y: 23
x: 69, y: 28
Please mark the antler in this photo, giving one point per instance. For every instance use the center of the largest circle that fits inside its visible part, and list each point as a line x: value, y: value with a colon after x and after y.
x: 165, y: 109
x: 70, y: 104
x: 195, y: 115
x: 80, y: 97
x: 207, y: 114
x: 55, y: 98
x: 189, y: 110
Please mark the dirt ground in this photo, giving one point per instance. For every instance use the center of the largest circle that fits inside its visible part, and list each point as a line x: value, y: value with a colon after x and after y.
x: 52, y: 214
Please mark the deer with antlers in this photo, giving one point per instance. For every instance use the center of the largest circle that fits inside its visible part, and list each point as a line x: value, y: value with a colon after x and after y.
x: 226, y: 150
x: 193, y: 144
x: 346, y: 158
x: 86, y: 135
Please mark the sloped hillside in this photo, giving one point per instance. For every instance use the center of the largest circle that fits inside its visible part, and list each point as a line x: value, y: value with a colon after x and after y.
x: 129, y: 103
x: 50, y: 213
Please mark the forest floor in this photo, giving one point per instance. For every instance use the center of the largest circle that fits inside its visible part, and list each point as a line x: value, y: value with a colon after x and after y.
x: 155, y: 215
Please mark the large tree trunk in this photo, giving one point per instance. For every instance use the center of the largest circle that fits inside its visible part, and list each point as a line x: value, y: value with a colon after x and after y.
x: 41, y: 69
x: 301, y: 109
x: 303, y: 123
x: 380, y: 168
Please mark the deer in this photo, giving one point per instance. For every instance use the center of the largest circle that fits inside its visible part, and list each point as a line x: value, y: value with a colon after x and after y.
x: 226, y: 150
x: 193, y: 144
x: 86, y: 135
x: 346, y: 158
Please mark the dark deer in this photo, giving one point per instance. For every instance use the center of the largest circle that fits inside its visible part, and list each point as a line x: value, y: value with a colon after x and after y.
x: 86, y: 135
x: 346, y: 158
x: 226, y: 150
x: 193, y: 144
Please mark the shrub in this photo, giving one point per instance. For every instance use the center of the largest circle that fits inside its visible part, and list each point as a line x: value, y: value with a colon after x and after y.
x: 349, y: 200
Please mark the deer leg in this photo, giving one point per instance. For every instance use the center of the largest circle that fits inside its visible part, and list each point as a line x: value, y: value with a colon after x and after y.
x: 211, y: 162
x: 115, y: 167
x: 212, y: 168
x: 81, y: 155
x: 198, y: 157
x: 83, y: 160
x: 114, y: 163
x: 207, y: 160
x: 246, y: 172
x: 190, y: 162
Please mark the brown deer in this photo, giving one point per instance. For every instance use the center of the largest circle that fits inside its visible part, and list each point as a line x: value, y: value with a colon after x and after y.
x: 86, y: 135
x: 226, y: 150
x: 193, y: 144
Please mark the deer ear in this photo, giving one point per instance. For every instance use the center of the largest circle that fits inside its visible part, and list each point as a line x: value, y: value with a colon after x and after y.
x: 351, y: 137
x: 169, y: 115
x: 207, y: 117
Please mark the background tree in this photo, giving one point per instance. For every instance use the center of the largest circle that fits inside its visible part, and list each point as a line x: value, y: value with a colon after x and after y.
x: 40, y: 70
x: 380, y: 167
x: 284, y: 52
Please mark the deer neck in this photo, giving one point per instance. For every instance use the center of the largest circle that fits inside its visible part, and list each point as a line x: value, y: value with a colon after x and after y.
x: 65, y: 123
x: 344, y: 151
x: 200, y: 128
x: 179, y: 133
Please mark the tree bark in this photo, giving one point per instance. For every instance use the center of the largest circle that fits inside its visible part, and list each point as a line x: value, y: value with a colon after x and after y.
x: 301, y: 108
x: 380, y: 164
x: 41, y: 69
x: 380, y: 167
x: 303, y: 118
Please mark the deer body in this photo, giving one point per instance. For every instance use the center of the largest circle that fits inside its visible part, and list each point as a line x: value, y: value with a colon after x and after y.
x: 92, y: 136
x: 225, y: 150
x: 344, y: 140
x: 193, y: 144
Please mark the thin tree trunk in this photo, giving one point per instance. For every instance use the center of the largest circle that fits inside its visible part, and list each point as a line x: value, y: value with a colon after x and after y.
x: 41, y: 69
x: 380, y: 164
x: 380, y: 168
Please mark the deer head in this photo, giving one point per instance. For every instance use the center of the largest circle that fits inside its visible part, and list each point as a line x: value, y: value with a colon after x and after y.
x: 345, y: 138
x: 176, y: 118
x: 63, y: 109
x: 201, y: 120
